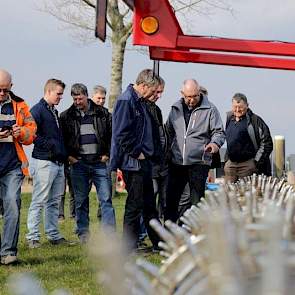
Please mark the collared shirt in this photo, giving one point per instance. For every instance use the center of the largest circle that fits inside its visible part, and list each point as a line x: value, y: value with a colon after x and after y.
x: 239, y: 145
x: 55, y: 114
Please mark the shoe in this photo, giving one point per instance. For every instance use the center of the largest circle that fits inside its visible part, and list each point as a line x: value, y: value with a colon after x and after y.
x: 34, y: 244
x: 61, y: 218
x: 84, y: 239
x: 9, y: 259
x: 156, y: 250
x: 61, y: 241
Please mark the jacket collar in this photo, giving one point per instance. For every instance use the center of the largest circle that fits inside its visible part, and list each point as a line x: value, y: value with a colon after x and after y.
x: 134, y: 93
x: 93, y: 109
x: 14, y: 97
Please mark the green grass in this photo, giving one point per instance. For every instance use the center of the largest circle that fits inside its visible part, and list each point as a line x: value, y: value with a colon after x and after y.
x: 61, y: 266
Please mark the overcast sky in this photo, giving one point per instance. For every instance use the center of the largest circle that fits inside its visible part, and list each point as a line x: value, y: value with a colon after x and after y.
x: 34, y: 48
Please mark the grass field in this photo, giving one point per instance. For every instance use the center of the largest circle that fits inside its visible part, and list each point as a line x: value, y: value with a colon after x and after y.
x: 61, y: 266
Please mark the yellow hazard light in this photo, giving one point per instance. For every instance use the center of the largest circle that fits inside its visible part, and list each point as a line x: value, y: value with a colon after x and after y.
x: 149, y: 25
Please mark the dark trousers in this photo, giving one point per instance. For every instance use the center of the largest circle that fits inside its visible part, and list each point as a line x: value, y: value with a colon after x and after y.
x: 179, y: 176
x: 140, y: 200
x: 160, y: 184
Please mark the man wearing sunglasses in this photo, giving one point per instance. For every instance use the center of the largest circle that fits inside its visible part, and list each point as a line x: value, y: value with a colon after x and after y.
x: 17, y: 127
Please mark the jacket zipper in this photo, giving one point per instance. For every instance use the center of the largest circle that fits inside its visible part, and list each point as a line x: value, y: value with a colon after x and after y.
x: 185, y: 134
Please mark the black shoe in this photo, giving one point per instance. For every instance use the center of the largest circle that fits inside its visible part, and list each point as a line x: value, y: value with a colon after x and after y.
x: 61, y: 241
x: 156, y: 249
x: 84, y: 239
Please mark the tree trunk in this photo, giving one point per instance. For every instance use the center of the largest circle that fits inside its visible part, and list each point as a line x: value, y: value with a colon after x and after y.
x: 118, y: 49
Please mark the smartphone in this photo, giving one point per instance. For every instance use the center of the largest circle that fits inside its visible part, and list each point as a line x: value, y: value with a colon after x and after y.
x: 207, y: 157
x: 6, y: 128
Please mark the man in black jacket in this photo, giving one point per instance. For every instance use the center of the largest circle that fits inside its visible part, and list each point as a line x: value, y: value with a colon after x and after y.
x: 159, y: 166
x: 249, y: 142
x: 87, y: 133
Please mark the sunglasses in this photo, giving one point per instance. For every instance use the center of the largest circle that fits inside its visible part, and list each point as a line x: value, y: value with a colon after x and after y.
x: 4, y: 90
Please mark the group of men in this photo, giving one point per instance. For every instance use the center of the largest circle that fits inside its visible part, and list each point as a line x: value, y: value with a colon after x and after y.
x: 155, y: 158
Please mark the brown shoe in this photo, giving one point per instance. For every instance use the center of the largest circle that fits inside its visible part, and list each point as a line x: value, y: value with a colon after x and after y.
x: 9, y: 259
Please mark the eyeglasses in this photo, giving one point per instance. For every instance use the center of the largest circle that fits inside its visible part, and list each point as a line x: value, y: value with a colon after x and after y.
x: 4, y: 90
x: 191, y: 96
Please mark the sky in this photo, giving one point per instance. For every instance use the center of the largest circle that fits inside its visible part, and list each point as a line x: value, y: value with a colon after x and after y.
x: 34, y: 48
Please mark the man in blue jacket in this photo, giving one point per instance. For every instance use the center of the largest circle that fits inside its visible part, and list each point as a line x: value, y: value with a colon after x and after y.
x: 132, y: 150
x: 47, y: 167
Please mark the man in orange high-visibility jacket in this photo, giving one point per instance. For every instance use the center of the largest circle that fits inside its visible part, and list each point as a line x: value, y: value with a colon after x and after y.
x: 17, y: 127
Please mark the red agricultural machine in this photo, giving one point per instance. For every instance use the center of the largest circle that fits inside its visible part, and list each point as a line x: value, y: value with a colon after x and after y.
x: 156, y: 26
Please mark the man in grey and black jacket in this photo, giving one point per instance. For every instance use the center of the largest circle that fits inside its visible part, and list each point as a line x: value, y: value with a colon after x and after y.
x: 249, y: 142
x: 195, y: 133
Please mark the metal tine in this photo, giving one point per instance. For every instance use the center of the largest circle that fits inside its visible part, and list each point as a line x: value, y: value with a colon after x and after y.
x: 191, y: 217
x: 194, y: 279
x: 249, y: 206
x: 263, y: 184
x: 139, y: 281
x: 233, y: 201
x: 164, y: 234
x: 289, y: 217
x: 179, y: 233
x: 153, y: 271
x: 282, y: 195
x: 274, y: 266
x: 275, y: 192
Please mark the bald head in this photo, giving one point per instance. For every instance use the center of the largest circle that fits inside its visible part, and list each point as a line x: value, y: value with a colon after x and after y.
x: 5, y: 77
x: 5, y: 84
x: 191, y: 92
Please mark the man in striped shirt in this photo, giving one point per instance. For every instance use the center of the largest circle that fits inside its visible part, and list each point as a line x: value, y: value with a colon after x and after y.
x: 17, y: 127
x: 87, y: 133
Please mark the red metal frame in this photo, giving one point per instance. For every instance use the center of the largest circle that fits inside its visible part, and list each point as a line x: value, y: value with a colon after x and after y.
x: 169, y: 43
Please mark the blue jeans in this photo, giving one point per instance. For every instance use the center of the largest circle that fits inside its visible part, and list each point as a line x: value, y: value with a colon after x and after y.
x: 82, y: 174
x: 10, y: 187
x: 48, y: 188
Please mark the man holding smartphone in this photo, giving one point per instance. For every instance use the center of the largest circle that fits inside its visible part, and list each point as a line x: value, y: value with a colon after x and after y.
x: 195, y: 132
x: 17, y: 127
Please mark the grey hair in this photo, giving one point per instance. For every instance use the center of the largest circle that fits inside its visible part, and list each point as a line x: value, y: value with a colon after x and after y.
x: 148, y: 77
x: 79, y: 89
x: 238, y: 97
x: 161, y: 81
x: 99, y: 89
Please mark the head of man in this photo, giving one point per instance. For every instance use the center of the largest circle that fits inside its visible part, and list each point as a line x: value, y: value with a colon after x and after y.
x: 158, y: 93
x: 146, y: 83
x: 99, y: 95
x: 5, y: 85
x: 53, y: 91
x: 79, y: 93
x: 191, y: 93
x: 239, y: 105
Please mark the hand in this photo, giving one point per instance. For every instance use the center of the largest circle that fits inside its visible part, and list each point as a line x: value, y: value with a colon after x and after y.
x: 141, y: 157
x: 16, y: 131
x: 5, y: 134
x: 104, y: 158
x: 211, y: 148
x: 72, y: 160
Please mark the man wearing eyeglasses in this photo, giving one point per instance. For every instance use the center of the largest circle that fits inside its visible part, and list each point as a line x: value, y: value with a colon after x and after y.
x: 195, y: 133
x: 17, y: 127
